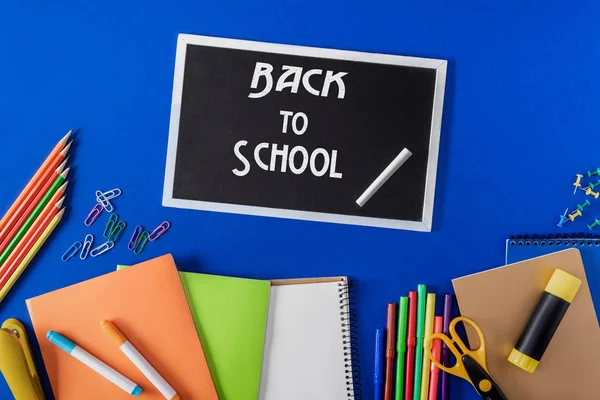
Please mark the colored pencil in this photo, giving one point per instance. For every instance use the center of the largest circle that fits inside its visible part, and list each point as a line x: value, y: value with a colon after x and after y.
x: 429, y: 317
x: 401, y: 346
x: 11, y: 230
x: 445, y: 349
x: 411, y: 341
x: 437, y: 353
x: 421, y: 302
x: 51, y: 196
x: 16, y: 274
x: 56, y: 156
x: 31, y: 235
x: 390, y: 351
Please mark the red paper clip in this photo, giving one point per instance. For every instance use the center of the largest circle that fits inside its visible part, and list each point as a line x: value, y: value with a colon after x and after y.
x: 159, y: 231
x: 93, y: 215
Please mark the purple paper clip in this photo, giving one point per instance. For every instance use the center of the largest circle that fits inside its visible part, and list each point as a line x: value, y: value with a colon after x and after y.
x: 134, y: 238
x: 159, y: 231
x: 93, y: 215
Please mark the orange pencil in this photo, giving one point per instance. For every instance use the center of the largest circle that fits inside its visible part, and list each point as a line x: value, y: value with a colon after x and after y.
x: 48, y: 165
x: 14, y: 228
x: 34, y: 187
x: 437, y: 354
x: 32, y: 235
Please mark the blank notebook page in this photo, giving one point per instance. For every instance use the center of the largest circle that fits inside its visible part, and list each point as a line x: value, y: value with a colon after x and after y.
x: 304, y: 350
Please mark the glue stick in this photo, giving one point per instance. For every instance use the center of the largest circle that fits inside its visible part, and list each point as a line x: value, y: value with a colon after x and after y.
x: 544, y: 321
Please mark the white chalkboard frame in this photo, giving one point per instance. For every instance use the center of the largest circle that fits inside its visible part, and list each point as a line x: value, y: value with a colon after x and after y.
x: 440, y: 66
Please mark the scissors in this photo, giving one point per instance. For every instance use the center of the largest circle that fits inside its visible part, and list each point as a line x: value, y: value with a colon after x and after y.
x: 470, y: 364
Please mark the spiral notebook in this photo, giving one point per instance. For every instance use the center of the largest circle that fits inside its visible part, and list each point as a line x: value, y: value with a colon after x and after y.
x: 524, y: 247
x: 309, y: 341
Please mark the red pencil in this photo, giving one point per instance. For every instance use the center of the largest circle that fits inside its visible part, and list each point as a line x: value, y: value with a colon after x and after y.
x: 390, y: 351
x: 32, y: 235
x: 411, y: 341
x: 438, y: 327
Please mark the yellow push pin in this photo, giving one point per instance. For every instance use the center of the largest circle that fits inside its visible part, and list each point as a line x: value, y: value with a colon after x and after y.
x: 577, y: 182
x: 590, y: 192
x: 575, y: 214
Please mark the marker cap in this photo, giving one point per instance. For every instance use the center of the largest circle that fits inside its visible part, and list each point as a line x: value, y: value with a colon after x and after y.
x: 563, y: 285
x: 113, y: 332
x: 523, y: 361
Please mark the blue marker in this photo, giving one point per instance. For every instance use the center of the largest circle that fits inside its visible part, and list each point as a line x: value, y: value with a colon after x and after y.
x: 98, y: 366
x: 379, y: 363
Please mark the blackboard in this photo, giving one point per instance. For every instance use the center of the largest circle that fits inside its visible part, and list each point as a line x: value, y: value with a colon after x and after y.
x: 299, y: 132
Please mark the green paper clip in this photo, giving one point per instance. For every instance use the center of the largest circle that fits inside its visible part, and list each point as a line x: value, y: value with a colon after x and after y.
x: 116, y: 232
x: 111, y: 225
x: 141, y: 243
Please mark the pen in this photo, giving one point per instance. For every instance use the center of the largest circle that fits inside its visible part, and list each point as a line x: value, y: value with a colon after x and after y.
x: 429, y: 315
x: 379, y: 362
x: 436, y: 350
x: 390, y: 352
x: 401, y: 346
x: 411, y: 341
x: 445, y: 350
x: 139, y: 361
x: 421, y: 301
x: 92, y: 362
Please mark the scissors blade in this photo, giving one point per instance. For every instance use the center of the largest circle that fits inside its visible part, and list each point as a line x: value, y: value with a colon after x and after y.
x: 483, y: 383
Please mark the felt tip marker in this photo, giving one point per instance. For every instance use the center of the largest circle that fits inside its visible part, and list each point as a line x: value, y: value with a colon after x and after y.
x: 139, y: 361
x: 92, y: 362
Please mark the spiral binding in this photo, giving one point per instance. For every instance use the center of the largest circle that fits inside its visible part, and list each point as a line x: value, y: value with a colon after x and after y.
x: 558, y: 239
x: 349, y: 327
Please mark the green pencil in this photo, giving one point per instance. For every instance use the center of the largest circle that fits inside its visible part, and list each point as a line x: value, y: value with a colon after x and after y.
x: 421, y: 301
x: 401, y: 347
x: 58, y: 185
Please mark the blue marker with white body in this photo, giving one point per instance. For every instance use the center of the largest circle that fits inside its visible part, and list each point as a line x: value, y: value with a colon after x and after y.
x: 92, y: 362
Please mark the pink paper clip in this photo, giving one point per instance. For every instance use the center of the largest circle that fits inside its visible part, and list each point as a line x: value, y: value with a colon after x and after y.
x: 93, y: 215
x: 159, y: 231
x: 134, y: 238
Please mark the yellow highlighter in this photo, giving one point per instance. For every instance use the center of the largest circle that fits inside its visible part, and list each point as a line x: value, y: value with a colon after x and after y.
x: 429, y: 316
x: 16, y: 362
x: 139, y: 361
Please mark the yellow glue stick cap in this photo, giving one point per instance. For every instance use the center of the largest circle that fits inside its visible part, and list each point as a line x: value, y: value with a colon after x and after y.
x: 563, y: 285
x: 523, y: 361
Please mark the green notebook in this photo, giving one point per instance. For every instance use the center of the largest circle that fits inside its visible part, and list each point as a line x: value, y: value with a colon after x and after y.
x: 231, y: 317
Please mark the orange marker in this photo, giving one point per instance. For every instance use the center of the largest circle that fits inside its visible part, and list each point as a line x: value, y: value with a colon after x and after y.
x: 437, y: 352
x: 43, y: 174
x: 139, y: 361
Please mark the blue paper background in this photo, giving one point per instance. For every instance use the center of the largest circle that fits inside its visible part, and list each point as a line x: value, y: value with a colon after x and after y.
x: 520, y: 120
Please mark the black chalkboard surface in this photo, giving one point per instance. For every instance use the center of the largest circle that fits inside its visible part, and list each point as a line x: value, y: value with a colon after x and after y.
x: 300, y: 132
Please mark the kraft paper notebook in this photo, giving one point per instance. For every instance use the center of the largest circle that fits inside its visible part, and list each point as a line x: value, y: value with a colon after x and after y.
x: 501, y: 300
x: 148, y: 304
x: 521, y: 248
x: 309, y: 341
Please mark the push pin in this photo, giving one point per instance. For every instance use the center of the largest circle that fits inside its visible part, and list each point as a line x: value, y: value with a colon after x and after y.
x: 593, y: 172
x: 563, y: 219
x: 574, y: 215
x: 583, y: 205
x: 593, y: 185
x: 577, y: 182
x: 594, y: 224
x: 590, y: 192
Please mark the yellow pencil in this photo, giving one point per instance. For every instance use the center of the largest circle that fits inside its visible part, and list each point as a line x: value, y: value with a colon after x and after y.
x: 429, y: 316
x: 34, y: 250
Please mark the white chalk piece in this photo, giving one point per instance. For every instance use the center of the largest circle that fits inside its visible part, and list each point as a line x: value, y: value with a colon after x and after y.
x: 384, y: 176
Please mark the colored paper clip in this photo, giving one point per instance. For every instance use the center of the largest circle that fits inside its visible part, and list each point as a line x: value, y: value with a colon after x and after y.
x: 116, y: 232
x: 159, y: 231
x: 73, y: 250
x: 109, y: 195
x: 93, y: 215
x: 134, y: 238
x: 103, y: 248
x: 87, y: 245
x: 111, y: 225
x: 106, y: 204
x: 141, y: 243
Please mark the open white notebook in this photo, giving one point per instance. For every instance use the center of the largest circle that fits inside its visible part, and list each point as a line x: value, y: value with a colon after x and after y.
x: 308, y: 343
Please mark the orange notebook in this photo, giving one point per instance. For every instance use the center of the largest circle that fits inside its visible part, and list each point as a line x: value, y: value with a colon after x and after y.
x: 148, y: 305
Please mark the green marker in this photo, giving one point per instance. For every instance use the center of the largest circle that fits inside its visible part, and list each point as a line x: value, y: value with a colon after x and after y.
x: 421, y: 302
x: 401, y: 347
